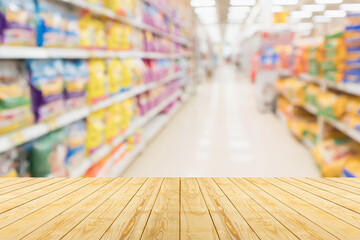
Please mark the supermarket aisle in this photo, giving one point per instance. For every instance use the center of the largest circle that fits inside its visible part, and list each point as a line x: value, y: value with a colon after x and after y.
x: 219, y: 132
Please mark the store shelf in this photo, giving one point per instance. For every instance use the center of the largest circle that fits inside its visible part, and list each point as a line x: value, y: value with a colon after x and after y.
x: 284, y: 72
x: 107, y: 148
x: 352, y: 133
x: 151, y: 131
x: 308, y: 78
x: 30, y: 133
x: 311, y: 109
x: 8, y: 52
x: 350, y: 88
x: 101, y: 11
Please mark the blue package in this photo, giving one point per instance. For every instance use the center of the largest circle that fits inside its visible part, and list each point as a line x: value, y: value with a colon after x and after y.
x: 352, y: 76
x: 50, y: 24
x: 17, y: 22
x: 46, y: 84
x: 75, y: 138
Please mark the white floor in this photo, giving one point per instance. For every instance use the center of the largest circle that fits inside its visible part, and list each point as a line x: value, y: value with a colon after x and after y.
x: 220, y: 133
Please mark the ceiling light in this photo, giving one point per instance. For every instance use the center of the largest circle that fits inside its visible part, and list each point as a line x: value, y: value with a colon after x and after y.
x: 242, y: 2
x: 276, y: 9
x: 335, y: 13
x: 301, y: 14
x: 328, y: 1
x: 239, y: 9
x: 285, y: 2
x: 350, y: 7
x: 313, y: 7
x: 238, y: 16
x: 305, y: 26
x: 205, y: 10
x: 202, y: 3
x: 321, y: 19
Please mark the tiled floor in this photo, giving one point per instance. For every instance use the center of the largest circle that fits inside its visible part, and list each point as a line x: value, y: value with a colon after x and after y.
x: 220, y: 133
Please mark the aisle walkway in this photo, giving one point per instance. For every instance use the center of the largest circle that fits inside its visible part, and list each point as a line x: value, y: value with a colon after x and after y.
x: 220, y: 133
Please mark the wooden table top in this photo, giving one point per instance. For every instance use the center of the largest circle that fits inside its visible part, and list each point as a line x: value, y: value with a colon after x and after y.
x: 179, y: 208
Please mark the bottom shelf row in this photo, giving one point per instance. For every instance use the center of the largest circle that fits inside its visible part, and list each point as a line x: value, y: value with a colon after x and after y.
x: 102, y: 146
x: 336, y: 153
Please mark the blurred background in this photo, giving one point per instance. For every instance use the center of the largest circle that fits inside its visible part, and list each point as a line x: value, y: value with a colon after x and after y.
x: 146, y: 88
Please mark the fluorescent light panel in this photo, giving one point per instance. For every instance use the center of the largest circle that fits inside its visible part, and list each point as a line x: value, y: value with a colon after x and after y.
x: 321, y: 19
x: 285, y: 2
x: 350, y: 7
x: 335, y: 13
x: 202, y: 3
x: 301, y: 14
x: 277, y: 8
x: 239, y: 9
x: 242, y: 2
x: 313, y: 7
x: 328, y: 1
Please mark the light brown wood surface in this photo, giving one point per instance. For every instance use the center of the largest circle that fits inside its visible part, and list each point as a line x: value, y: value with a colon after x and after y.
x: 179, y: 208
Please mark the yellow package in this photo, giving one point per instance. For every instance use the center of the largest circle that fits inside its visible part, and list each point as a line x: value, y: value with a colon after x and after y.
x: 117, y: 6
x: 127, y: 111
x: 114, y: 33
x: 351, y: 167
x: 87, y: 31
x: 99, y: 28
x: 97, y: 89
x: 126, y: 37
x: 114, y: 76
x: 352, y: 121
x: 331, y: 104
x: 127, y: 74
x: 112, y: 122
x: 138, y: 72
x: 95, y: 126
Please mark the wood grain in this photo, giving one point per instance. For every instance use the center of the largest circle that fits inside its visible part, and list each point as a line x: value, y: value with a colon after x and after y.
x: 195, y: 222
x: 330, y: 223
x: 228, y: 221
x: 346, y: 215
x: 261, y: 221
x: 15, y: 182
x: 57, y: 227
x: 338, y: 185
x: 131, y: 221
x: 46, y: 213
x: 329, y: 188
x: 345, y: 182
x: 9, y: 216
x: 299, y: 225
x: 95, y: 225
x: 164, y: 220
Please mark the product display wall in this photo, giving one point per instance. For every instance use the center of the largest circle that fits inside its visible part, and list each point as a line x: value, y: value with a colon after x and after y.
x: 80, y: 81
x: 320, y: 102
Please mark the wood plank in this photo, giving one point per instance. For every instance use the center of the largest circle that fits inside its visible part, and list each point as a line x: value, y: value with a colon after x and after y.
x: 331, y: 189
x: 195, y: 219
x: 95, y: 224
x: 58, y: 226
x: 28, y: 189
x: 330, y: 223
x: 7, y: 179
x: 299, y: 225
x: 10, y: 216
x: 15, y: 182
x: 27, y: 197
x: 338, y: 185
x: 228, y: 221
x: 345, y: 182
x: 131, y: 222
x: 344, y: 214
x: 260, y: 220
x: 346, y: 203
x: 22, y: 185
x: 164, y: 220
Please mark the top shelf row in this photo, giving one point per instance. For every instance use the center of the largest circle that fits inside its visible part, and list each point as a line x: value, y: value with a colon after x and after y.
x: 101, y: 11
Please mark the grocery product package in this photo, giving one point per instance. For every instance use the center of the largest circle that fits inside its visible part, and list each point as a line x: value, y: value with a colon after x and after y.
x: 127, y: 113
x: 17, y: 22
x: 331, y: 105
x: 114, y: 71
x: 112, y: 122
x: 331, y: 154
x: 15, y: 99
x: 75, y: 142
x: 50, y: 24
x: 127, y: 74
x: 7, y: 163
x: 92, y: 31
x: 47, y: 85
x: 351, y: 167
x: 95, y: 131
x: 48, y: 154
x: 114, y: 31
x: 98, y: 84
x: 76, y: 77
